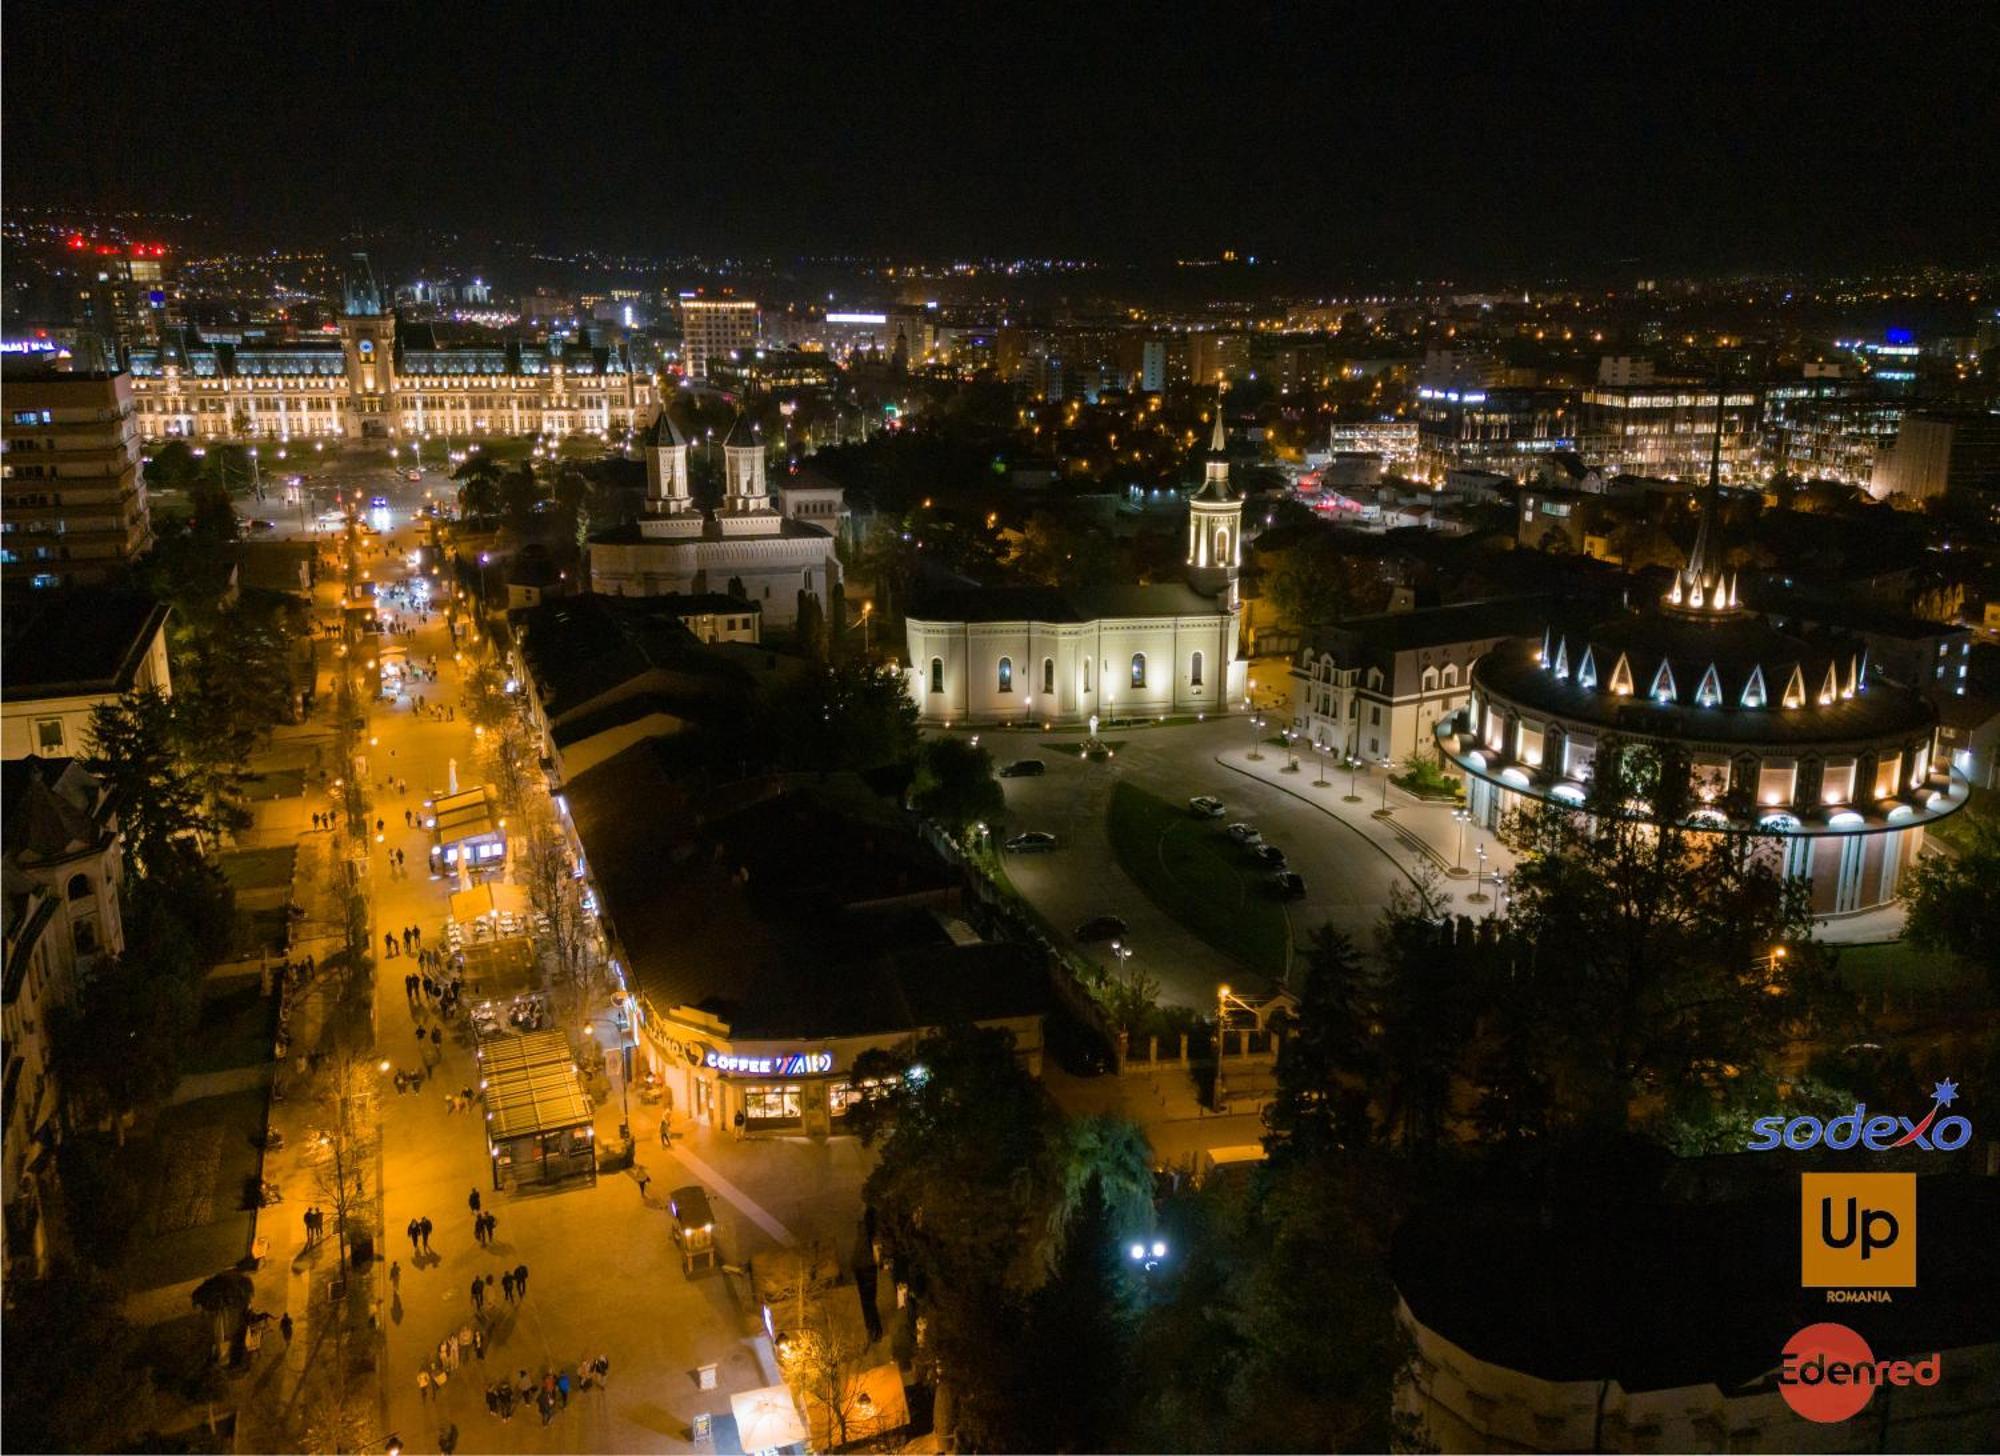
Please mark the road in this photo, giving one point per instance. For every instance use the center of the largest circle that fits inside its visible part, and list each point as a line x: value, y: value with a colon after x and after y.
x: 1349, y: 858
x: 605, y: 1276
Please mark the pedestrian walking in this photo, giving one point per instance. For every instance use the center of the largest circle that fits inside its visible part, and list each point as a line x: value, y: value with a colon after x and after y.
x: 507, y: 1285
x: 310, y: 1240
x: 437, y: 1037
x: 521, y: 1280
x: 423, y: 1383
x: 666, y: 1131
x: 285, y: 1326
x: 562, y: 1387
x: 472, y: 1200
x: 478, y: 1293
x: 479, y: 1341
x: 492, y: 1401
x: 395, y: 1275
x: 426, y: 1227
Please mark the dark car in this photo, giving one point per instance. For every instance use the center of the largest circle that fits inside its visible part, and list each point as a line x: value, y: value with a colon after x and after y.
x: 1024, y: 768
x: 1035, y: 841
x: 1288, y: 885
x: 262, y: 525
x: 1101, y: 927
x: 1269, y: 855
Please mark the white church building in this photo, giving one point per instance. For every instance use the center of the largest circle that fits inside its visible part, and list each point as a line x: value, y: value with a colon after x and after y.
x: 1040, y: 654
x: 766, y: 553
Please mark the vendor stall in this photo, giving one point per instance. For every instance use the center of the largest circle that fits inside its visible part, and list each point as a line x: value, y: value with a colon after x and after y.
x: 467, y: 826
x: 539, y: 1124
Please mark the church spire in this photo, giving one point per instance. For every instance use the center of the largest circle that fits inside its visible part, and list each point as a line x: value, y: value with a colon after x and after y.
x: 1700, y: 587
x: 1215, y: 469
x: 1218, y: 442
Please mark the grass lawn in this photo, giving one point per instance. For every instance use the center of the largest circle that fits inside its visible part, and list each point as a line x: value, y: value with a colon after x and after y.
x: 1190, y: 870
x: 283, y: 783
x: 1957, y: 830
x: 259, y: 869
x: 192, y: 1173
x: 1898, y: 965
x: 237, y: 1025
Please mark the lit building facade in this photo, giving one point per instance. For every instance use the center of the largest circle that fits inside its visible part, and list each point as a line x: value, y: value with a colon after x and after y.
x: 1036, y: 654
x: 373, y: 377
x: 746, y: 546
x: 713, y: 331
x: 1666, y: 429
x: 1783, y: 734
x: 1506, y: 431
x: 1828, y: 429
x: 73, y: 498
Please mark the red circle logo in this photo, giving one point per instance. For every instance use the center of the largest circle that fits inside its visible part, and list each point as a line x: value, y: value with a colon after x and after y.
x: 1827, y: 1374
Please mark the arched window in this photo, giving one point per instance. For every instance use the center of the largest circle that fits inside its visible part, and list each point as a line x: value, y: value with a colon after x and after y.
x: 1194, y: 670
x: 79, y: 887
x: 1374, y: 679
x: 1006, y: 674
x: 1430, y: 680
x: 1048, y: 674
x: 937, y: 674
x: 1138, y: 669
x: 1222, y: 546
x: 1086, y: 674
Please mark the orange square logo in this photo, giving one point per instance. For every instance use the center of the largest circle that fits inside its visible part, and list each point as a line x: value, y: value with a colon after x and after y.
x: 1858, y: 1230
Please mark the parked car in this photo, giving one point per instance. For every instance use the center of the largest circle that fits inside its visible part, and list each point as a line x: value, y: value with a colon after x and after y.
x: 1101, y: 927
x: 693, y: 1227
x: 1035, y: 841
x: 415, y: 477
x: 1204, y: 807
x: 1289, y: 885
x: 262, y: 525
x: 1024, y: 768
x: 1244, y: 834
x: 1272, y: 856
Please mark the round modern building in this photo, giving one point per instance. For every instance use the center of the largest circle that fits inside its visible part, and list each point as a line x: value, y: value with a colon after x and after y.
x: 1785, y: 733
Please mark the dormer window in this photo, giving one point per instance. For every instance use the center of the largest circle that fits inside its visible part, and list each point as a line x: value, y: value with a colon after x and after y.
x: 1621, y: 677
x: 1663, y: 683
x: 1754, y: 694
x: 1586, y: 671
x: 1795, y: 689
x: 1709, y: 694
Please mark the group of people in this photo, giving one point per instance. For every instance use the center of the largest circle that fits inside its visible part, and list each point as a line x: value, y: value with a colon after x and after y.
x: 548, y: 1395
x: 315, y: 1221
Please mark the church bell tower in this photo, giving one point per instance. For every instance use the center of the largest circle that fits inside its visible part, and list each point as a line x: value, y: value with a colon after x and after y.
x: 1215, y: 521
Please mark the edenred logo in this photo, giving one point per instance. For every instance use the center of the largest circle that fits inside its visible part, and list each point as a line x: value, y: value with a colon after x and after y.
x: 1829, y: 1373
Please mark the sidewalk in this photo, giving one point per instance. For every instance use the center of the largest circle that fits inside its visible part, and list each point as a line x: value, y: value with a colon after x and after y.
x: 1414, y: 832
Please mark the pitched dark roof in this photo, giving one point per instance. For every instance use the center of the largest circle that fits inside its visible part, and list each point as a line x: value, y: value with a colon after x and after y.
x: 76, y: 643
x: 787, y: 916
x: 1051, y: 604
x: 578, y: 648
x: 1442, y: 626
x: 51, y: 807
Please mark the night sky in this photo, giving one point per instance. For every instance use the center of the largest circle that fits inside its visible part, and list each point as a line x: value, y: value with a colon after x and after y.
x: 1378, y: 139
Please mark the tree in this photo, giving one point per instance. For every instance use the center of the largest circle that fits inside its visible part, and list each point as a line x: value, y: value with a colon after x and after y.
x: 811, y: 629
x: 556, y: 893
x: 479, y: 486
x: 135, y: 750
x: 851, y: 715
x: 223, y: 1298
x: 955, y: 785
x: 347, y: 1095
x: 1649, y: 941
x: 1952, y: 898
x: 520, y: 496
x: 1325, y: 1059
x: 1314, y: 582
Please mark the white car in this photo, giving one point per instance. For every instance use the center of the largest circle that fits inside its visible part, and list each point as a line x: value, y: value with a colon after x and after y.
x: 1244, y: 834
x: 1205, y: 806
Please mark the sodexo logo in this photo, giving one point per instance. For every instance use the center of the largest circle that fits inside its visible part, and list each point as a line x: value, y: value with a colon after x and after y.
x: 1879, y: 1133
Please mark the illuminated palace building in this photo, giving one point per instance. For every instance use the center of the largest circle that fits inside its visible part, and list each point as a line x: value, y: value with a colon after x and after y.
x: 1785, y: 733
x: 374, y: 378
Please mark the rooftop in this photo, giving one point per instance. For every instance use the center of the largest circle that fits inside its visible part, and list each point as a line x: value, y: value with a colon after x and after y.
x: 79, y: 643
x: 786, y: 911
x: 1051, y: 604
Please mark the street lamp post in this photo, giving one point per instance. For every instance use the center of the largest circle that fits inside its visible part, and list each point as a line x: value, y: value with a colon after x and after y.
x: 1319, y: 754
x: 1256, y: 732
x: 1461, y: 818
x: 1291, y: 751
x: 1478, y: 895
x: 1353, y: 772
x: 1224, y: 999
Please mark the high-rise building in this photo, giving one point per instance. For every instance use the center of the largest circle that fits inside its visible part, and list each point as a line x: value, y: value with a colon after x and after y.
x: 1218, y: 357
x: 1153, y: 366
x: 712, y: 329
x: 1667, y: 429
x: 1939, y: 450
x: 1507, y: 431
x: 74, y: 503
